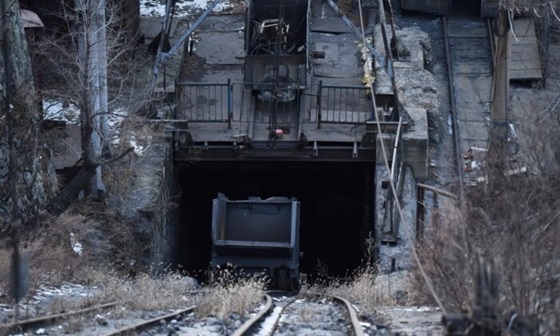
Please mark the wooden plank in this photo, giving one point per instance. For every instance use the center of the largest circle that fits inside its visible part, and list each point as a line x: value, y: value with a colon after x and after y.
x: 525, y: 61
x: 526, y: 74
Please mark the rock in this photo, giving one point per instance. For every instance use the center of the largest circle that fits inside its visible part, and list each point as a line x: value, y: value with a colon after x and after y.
x: 101, y: 320
x: 41, y: 331
x: 190, y: 283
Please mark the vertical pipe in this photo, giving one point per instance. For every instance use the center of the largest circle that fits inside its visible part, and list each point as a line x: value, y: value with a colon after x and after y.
x: 373, y: 104
x: 230, y: 102
x: 319, y: 96
x: 174, y: 102
x: 420, y: 213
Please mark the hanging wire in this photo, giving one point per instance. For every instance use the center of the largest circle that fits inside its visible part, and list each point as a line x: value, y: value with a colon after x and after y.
x: 510, y: 15
x: 530, y: 7
x: 537, y: 14
x: 553, y: 12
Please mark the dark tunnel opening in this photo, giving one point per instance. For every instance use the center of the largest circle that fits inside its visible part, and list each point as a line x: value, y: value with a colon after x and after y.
x: 465, y: 8
x: 336, y: 213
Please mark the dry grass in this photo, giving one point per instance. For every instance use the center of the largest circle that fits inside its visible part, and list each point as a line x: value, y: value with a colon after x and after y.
x: 143, y: 292
x: 514, y: 224
x: 367, y: 288
x: 229, y: 294
x: 52, y: 258
x: 48, y: 248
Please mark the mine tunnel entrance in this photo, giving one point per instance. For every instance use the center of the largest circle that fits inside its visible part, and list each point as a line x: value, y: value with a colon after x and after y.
x: 465, y: 8
x: 336, y: 213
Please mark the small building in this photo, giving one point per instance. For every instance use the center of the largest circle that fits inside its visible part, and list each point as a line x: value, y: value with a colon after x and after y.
x: 55, y: 14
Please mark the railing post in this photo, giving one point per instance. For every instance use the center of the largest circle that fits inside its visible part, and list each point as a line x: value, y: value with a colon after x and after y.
x: 373, y: 104
x: 319, y: 95
x: 229, y: 102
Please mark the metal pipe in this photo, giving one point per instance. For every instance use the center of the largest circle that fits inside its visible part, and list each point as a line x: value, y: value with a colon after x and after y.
x: 395, y: 148
x: 378, y: 57
x: 163, y: 57
x: 437, y: 190
x: 230, y: 102
x: 319, y: 93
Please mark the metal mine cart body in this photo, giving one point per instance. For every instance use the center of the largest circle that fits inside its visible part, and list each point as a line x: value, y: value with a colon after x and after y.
x: 258, y: 235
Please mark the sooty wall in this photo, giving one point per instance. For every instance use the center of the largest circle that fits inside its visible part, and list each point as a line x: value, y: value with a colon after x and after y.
x: 336, y: 207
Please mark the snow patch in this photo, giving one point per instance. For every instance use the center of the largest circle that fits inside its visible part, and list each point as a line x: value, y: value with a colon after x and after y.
x: 268, y: 324
x: 67, y: 111
x: 183, y: 8
x: 76, y: 245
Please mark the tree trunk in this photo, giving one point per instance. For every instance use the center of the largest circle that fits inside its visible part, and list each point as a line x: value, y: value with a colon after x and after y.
x: 94, y: 108
x: 67, y: 195
x: 32, y: 171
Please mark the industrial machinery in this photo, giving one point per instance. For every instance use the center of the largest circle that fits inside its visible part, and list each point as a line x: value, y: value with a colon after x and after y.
x: 276, y: 48
x: 258, y: 236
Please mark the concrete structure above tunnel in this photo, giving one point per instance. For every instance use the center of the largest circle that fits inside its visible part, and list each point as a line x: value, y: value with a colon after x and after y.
x: 218, y: 118
x: 322, y: 149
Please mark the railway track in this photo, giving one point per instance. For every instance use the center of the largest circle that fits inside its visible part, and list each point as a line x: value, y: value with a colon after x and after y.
x: 470, y: 61
x: 306, y: 314
x: 154, y: 323
x: 43, y: 322
x: 279, y: 314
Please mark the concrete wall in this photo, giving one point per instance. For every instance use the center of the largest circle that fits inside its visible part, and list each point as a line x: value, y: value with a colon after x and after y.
x: 415, y: 144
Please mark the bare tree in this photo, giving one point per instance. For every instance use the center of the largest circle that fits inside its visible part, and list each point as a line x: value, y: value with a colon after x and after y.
x: 92, y: 49
x: 94, y: 67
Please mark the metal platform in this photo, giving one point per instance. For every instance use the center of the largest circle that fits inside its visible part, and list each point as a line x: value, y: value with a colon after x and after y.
x: 326, y: 121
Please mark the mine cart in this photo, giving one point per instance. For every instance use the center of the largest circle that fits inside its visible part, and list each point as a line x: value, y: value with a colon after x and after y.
x: 257, y: 236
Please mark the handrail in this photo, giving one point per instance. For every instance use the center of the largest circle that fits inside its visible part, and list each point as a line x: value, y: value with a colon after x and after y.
x: 395, y: 148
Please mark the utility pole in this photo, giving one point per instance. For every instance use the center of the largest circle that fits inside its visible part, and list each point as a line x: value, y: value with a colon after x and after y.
x: 500, y: 87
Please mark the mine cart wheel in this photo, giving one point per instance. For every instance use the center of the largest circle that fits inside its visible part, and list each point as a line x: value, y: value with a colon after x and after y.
x: 284, y: 280
x: 296, y: 284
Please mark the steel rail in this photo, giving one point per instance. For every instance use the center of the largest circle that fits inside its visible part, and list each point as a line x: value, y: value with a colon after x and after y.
x: 353, y: 316
x: 252, y: 322
x: 44, y: 320
x: 356, y: 326
x: 149, y: 323
x: 453, y: 111
x: 275, y: 325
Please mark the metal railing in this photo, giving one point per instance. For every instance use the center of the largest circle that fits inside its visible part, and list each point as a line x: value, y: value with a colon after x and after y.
x: 343, y: 104
x: 227, y: 102
x: 204, y: 102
